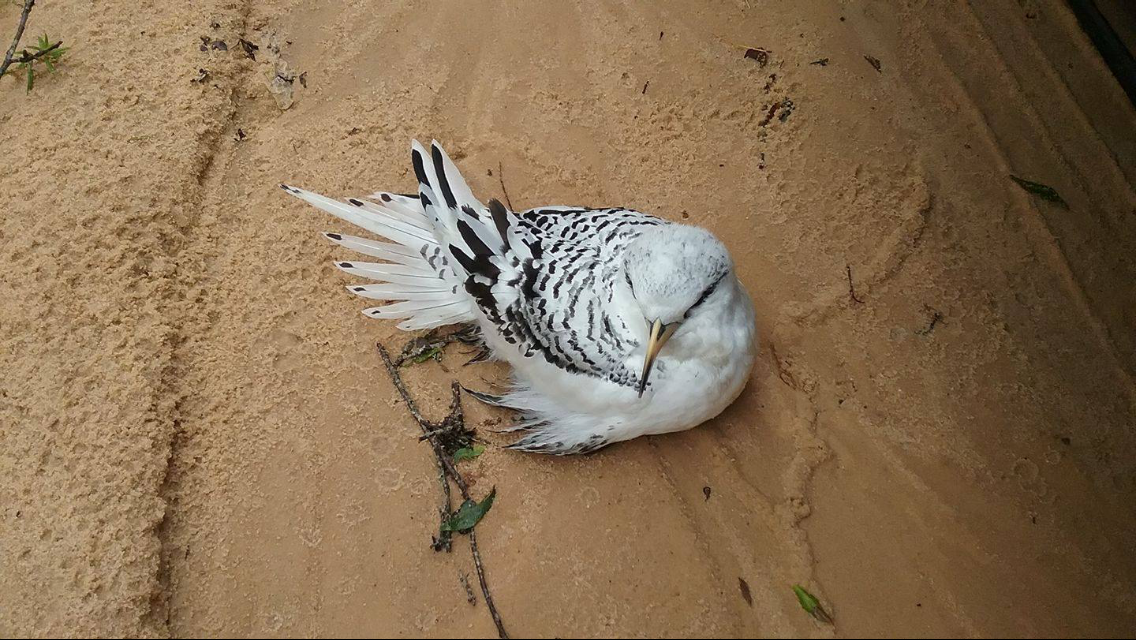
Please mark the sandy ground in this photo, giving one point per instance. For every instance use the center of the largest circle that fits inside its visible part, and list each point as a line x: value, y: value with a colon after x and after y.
x: 197, y: 437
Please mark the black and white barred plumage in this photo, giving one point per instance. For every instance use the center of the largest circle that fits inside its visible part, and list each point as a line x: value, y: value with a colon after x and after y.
x: 554, y: 291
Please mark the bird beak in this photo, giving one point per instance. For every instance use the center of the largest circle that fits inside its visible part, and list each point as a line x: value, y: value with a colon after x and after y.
x: 660, y: 333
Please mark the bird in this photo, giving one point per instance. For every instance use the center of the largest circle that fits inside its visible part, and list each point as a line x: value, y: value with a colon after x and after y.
x: 616, y: 323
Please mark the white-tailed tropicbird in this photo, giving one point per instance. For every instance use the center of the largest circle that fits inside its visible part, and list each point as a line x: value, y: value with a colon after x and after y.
x: 617, y: 323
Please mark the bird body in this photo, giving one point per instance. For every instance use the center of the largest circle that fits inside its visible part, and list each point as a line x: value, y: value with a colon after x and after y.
x: 617, y: 323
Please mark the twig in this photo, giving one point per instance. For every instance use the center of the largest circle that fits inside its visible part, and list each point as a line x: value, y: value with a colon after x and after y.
x: 485, y: 587
x: 851, y: 287
x: 464, y: 579
x: 432, y: 431
x: 501, y: 178
x: 28, y: 4
x: 26, y: 57
x: 453, y: 421
x: 397, y: 380
x: 433, y: 343
x: 442, y: 542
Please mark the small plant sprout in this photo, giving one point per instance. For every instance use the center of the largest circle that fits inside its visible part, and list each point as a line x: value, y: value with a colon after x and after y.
x: 44, y: 51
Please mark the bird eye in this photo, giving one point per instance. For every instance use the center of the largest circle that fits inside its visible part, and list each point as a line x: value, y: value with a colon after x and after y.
x: 705, y: 294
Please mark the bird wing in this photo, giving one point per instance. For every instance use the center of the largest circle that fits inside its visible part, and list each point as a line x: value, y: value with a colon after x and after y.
x: 544, y: 278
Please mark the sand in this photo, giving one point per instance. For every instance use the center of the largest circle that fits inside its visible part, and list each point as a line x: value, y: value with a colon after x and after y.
x: 197, y: 437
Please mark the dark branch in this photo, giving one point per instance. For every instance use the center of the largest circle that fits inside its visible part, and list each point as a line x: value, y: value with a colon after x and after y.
x: 464, y: 579
x: 392, y: 369
x: 28, y: 4
x: 432, y: 431
x: 501, y: 178
x: 485, y: 587
x: 26, y: 57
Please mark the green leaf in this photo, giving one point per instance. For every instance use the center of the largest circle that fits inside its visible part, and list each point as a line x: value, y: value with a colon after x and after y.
x: 469, y: 514
x: 467, y: 453
x: 811, y: 605
x: 432, y: 352
x: 1045, y: 192
x: 54, y: 57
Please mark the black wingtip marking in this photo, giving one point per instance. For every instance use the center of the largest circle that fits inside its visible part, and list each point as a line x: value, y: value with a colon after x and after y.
x: 357, y: 289
x: 385, y: 197
x: 500, y: 219
x: 419, y: 169
x: 346, y: 265
x: 472, y: 241
x: 357, y: 203
x: 443, y: 180
x: 333, y: 236
x: 465, y: 261
x: 482, y: 293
